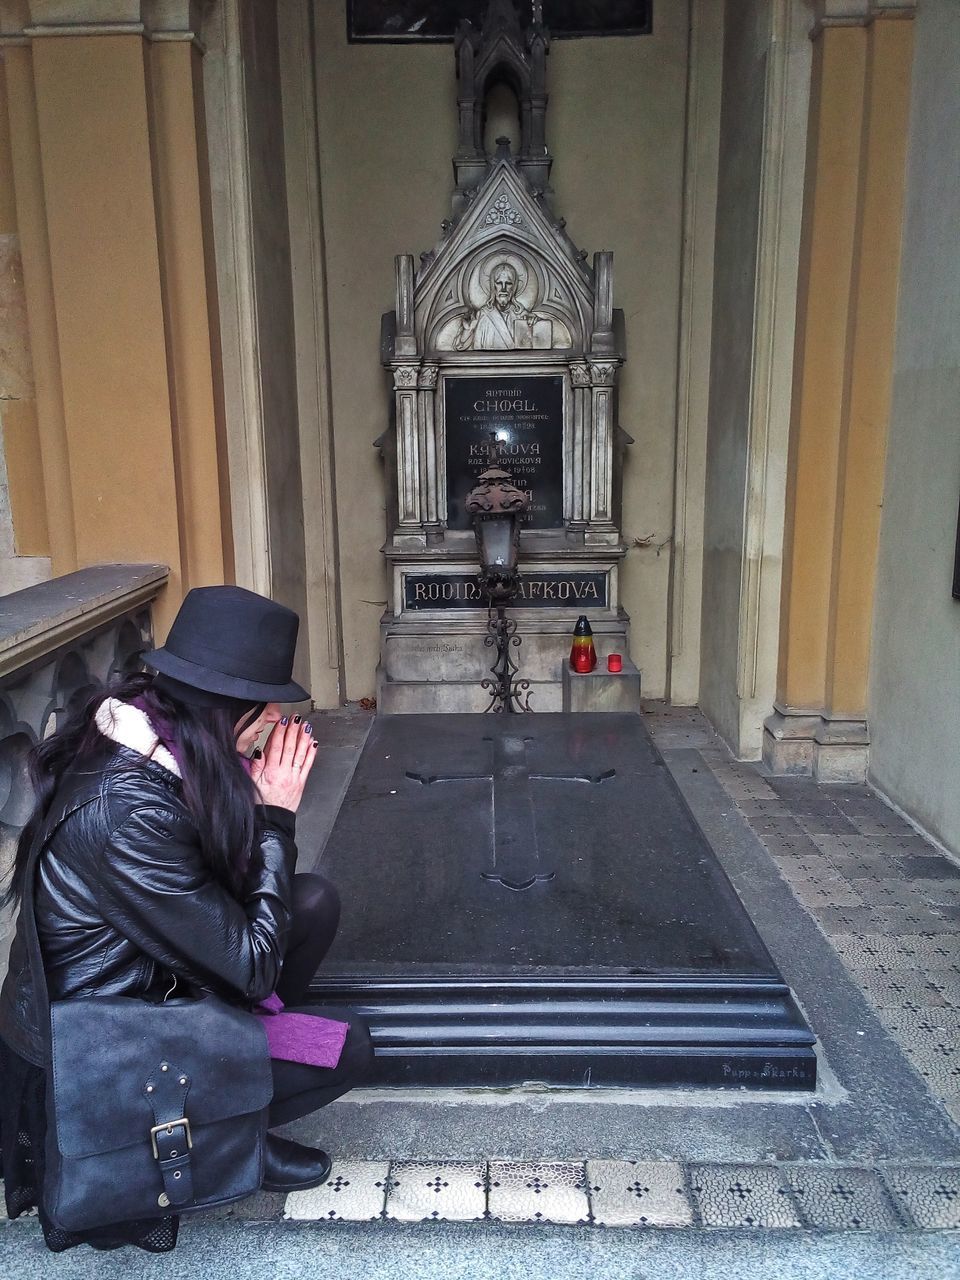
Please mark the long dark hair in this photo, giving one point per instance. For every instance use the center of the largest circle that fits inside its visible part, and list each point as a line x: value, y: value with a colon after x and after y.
x: 217, y: 790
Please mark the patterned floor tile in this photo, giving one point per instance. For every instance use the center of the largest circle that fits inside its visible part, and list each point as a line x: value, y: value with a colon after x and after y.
x: 922, y: 1027
x: 826, y: 823
x: 792, y: 847
x: 842, y: 1199
x: 829, y: 891
x: 931, y: 1197
x: 910, y: 843
x: 807, y: 866
x: 538, y: 1191
x: 773, y: 828
x: 625, y: 1193
x: 884, y: 892
x: 454, y: 1191
x: 938, y: 1064
x: 907, y: 952
x: 355, y: 1192
x: 847, y: 844
x: 842, y: 919
x: 742, y: 1196
x: 945, y: 892
x: 905, y: 991
x: 946, y: 982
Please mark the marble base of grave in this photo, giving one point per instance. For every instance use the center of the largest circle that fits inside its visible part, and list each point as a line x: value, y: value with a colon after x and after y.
x: 432, y: 651
x: 432, y: 665
x: 529, y: 899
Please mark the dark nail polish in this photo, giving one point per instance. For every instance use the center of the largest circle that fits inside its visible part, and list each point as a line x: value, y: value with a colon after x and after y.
x: 297, y: 719
x: 257, y: 754
x: 308, y: 728
x: 284, y: 720
x: 315, y: 744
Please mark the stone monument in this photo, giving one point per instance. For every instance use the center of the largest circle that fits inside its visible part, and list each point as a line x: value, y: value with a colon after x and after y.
x: 504, y: 330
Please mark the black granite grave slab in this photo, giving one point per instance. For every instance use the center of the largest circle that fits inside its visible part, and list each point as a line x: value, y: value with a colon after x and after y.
x: 530, y: 898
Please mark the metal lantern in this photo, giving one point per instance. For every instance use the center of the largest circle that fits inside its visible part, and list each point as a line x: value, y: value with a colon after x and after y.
x: 497, y: 507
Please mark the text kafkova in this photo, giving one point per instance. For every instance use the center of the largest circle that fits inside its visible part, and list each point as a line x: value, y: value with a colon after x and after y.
x: 563, y: 590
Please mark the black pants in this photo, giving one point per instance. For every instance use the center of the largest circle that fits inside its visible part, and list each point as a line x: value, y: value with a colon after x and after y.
x: 299, y: 1088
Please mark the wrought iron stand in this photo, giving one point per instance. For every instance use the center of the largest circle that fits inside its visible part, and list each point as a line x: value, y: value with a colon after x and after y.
x: 506, y: 693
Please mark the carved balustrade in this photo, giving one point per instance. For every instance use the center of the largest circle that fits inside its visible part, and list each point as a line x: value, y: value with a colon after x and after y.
x: 58, y: 641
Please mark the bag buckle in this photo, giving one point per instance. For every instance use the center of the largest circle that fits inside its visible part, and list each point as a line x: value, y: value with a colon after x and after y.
x: 169, y: 1126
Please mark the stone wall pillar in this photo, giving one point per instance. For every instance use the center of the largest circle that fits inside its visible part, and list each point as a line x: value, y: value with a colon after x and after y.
x: 577, y: 475
x: 600, y: 524
x: 109, y: 172
x: 409, y: 464
x: 24, y: 534
x: 433, y: 517
x: 845, y: 334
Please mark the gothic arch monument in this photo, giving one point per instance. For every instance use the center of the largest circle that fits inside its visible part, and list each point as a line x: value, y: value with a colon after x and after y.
x: 503, y: 329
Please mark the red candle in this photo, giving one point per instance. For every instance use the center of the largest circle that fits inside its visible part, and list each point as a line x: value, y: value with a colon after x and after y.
x: 615, y: 662
x: 583, y: 656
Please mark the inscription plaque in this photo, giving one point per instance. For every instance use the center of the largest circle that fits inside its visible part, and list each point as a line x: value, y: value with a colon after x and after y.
x: 537, y: 591
x: 526, y: 414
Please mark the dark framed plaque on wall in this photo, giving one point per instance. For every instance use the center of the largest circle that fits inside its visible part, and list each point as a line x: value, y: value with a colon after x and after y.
x: 525, y: 413
x: 400, y: 21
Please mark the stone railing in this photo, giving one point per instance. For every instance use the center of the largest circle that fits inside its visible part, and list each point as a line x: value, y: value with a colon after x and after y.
x: 58, y: 641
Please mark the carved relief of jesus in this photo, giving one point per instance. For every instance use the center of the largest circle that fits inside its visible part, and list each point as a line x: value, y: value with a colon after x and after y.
x: 501, y: 324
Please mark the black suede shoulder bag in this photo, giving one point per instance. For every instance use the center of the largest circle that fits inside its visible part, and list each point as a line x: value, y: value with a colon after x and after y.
x: 152, y: 1108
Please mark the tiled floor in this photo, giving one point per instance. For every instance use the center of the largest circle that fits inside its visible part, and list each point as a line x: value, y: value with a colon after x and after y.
x: 888, y: 900
x: 641, y: 1194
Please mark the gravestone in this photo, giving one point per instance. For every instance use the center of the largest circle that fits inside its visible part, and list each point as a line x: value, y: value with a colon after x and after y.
x: 503, y: 330
x: 529, y: 898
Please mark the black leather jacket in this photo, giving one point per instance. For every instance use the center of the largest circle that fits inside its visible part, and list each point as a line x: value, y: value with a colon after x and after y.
x: 124, y: 898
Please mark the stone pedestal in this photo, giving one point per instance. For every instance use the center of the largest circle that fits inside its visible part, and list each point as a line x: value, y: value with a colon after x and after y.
x: 829, y: 748
x: 601, y: 690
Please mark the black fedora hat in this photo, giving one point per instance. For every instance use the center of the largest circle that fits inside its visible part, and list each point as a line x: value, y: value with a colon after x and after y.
x: 233, y: 642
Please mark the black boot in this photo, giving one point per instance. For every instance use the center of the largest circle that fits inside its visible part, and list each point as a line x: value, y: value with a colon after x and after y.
x: 290, y: 1166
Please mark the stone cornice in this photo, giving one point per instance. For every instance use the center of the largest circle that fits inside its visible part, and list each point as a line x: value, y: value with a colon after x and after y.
x: 856, y: 13
x: 154, y: 20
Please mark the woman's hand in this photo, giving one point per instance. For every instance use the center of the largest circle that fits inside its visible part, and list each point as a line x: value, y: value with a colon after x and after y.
x: 281, y: 773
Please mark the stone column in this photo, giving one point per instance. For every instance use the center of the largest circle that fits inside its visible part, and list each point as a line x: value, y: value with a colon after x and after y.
x: 576, y: 496
x: 845, y: 334
x: 181, y: 183
x: 601, y: 529
x: 409, y: 464
x: 433, y: 517
x: 311, y: 326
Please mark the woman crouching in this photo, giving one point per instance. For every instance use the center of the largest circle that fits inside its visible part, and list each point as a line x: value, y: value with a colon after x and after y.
x: 169, y: 865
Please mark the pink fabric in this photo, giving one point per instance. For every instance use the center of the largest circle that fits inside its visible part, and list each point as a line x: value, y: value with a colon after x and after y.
x: 300, y: 1037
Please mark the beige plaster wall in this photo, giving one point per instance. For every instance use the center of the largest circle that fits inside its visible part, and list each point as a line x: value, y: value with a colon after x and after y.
x: 746, y: 44
x: 615, y: 125
x: 915, y: 670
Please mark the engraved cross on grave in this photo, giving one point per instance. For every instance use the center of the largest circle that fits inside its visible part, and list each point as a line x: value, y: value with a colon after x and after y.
x: 515, y: 857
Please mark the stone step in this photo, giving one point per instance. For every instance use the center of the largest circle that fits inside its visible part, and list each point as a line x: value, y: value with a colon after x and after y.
x: 426, y: 697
